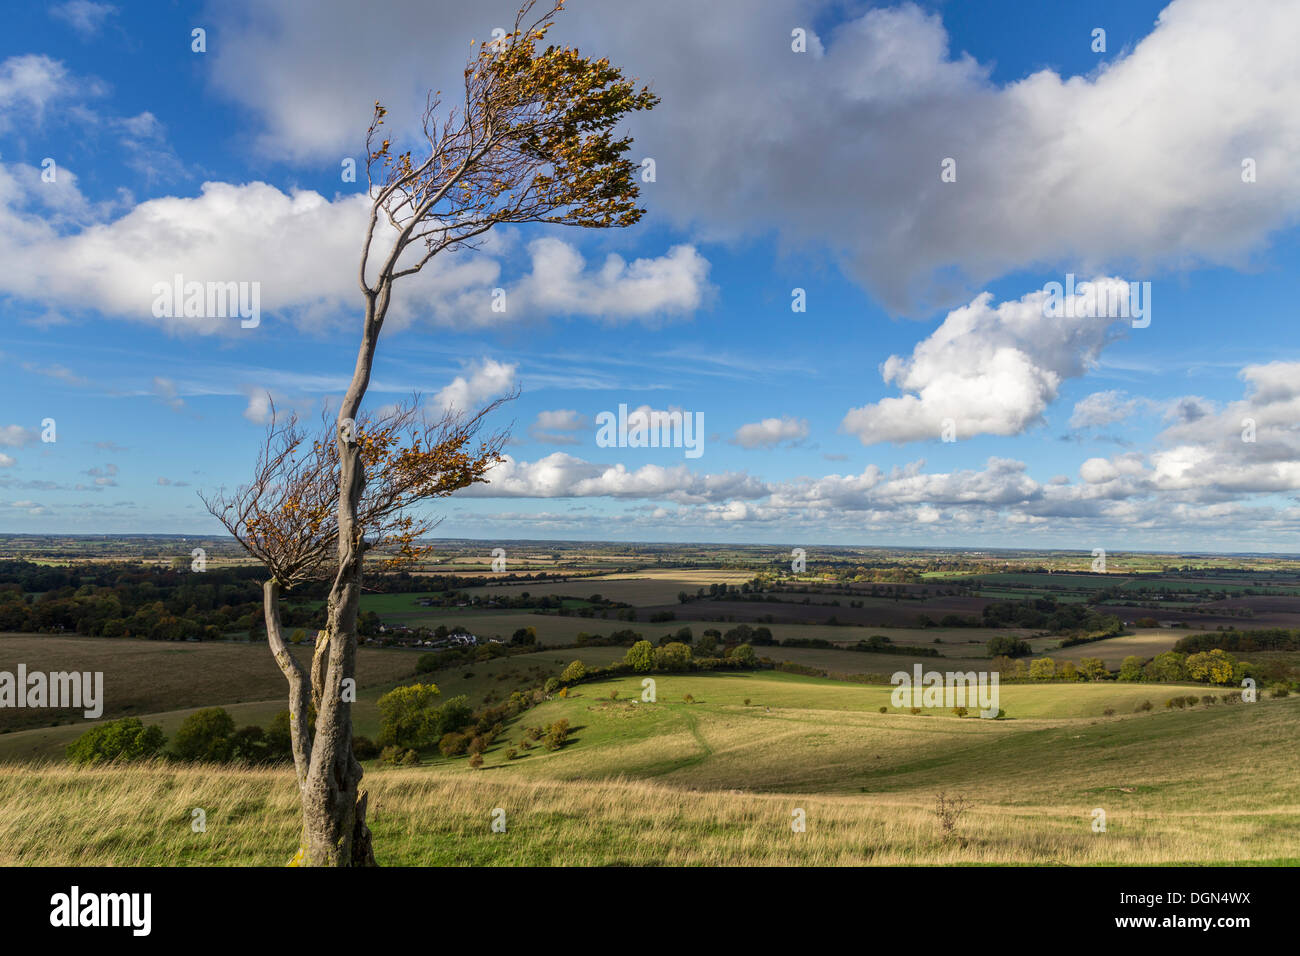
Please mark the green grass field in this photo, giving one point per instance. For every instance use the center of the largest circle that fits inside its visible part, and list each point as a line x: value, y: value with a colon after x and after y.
x: 164, y: 683
x: 717, y: 782
x: 1230, y: 586
x: 1042, y: 579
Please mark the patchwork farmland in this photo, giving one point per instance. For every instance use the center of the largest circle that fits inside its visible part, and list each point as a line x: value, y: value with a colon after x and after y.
x: 1093, y: 706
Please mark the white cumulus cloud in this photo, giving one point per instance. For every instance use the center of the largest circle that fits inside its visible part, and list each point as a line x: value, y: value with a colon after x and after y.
x: 771, y: 432
x: 988, y: 369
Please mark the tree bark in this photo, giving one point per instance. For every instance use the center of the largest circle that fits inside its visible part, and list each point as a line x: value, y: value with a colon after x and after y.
x: 299, y: 724
x: 333, y: 804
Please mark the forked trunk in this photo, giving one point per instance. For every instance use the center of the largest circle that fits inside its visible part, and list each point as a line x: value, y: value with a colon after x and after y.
x: 333, y: 804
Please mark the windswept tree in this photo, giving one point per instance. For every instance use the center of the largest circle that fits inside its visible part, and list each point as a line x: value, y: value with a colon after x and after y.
x: 534, y: 138
x: 287, y: 518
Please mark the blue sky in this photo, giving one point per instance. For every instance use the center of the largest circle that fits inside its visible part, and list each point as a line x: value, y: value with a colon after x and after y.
x: 776, y: 170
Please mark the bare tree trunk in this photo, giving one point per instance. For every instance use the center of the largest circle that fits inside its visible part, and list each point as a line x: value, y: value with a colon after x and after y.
x: 299, y: 696
x: 319, y: 663
x: 333, y: 804
x: 299, y: 724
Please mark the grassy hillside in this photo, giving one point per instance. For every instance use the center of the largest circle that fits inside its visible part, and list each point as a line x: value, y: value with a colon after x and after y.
x: 716, y: 781
x: 798, y: 733
x: 163, y: 683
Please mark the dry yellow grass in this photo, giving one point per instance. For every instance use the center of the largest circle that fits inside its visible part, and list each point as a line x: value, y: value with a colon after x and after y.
x: 142, y: 816
x: 1145, y: 644
x: 640, y: 588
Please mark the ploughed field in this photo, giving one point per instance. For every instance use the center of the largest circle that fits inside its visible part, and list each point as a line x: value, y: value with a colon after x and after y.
x: 146, y: 677
x: 1191, y: 601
